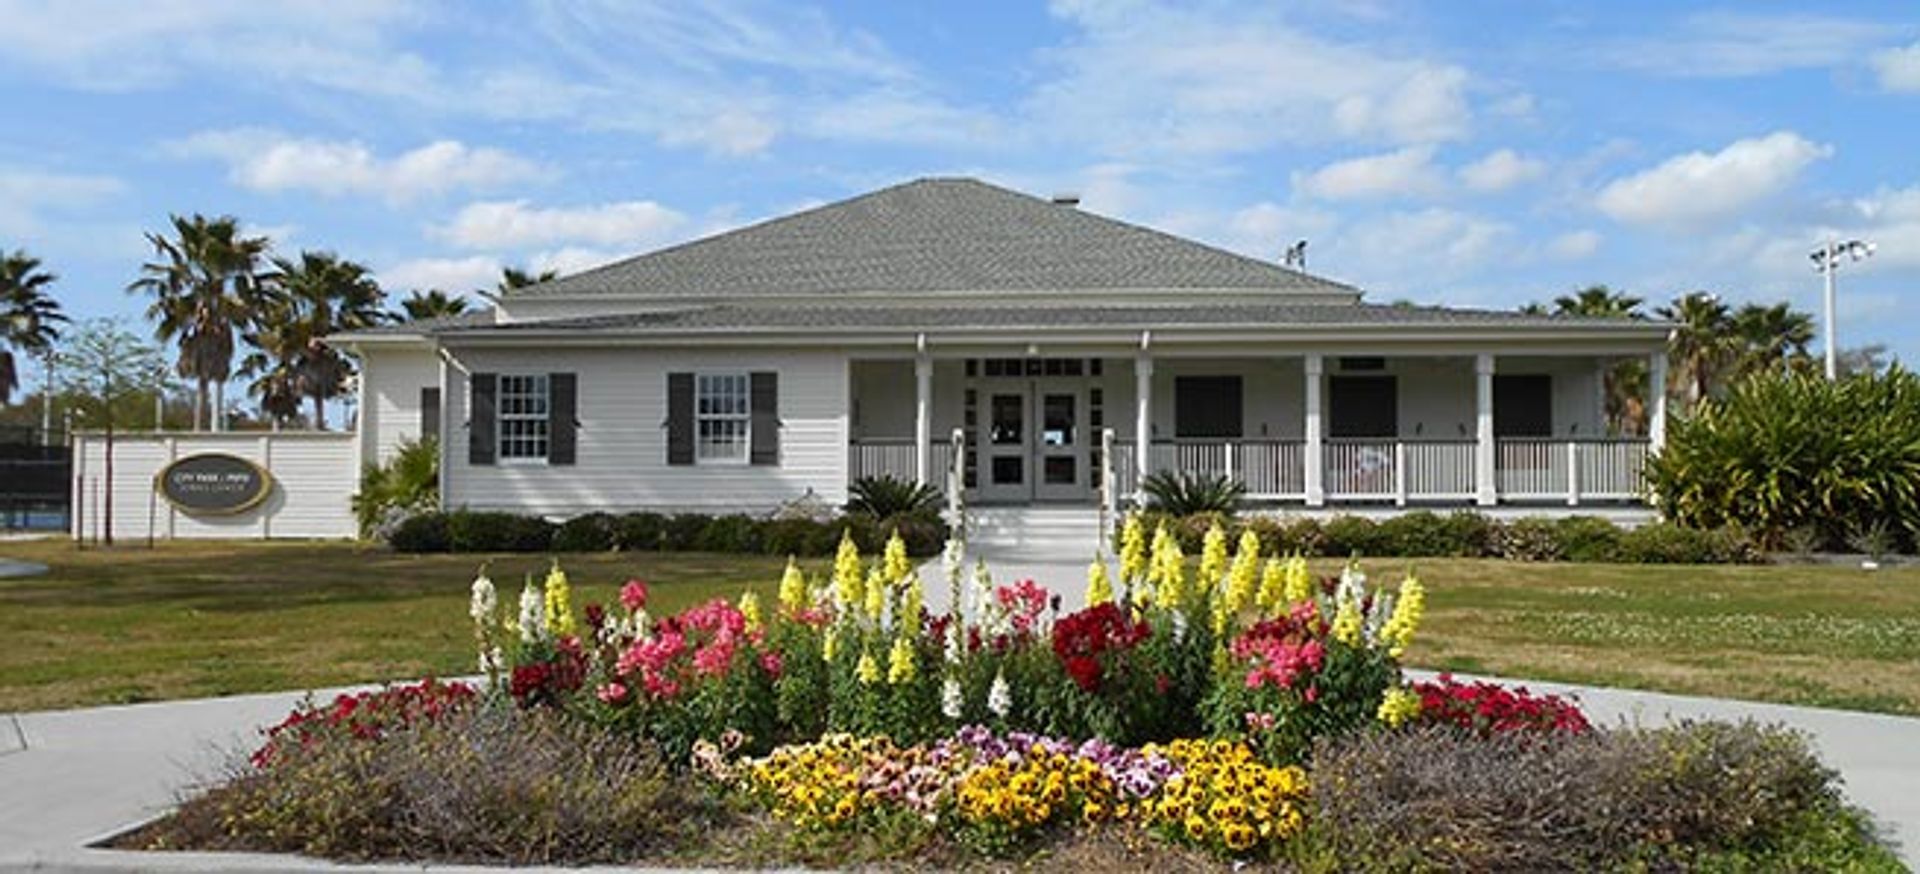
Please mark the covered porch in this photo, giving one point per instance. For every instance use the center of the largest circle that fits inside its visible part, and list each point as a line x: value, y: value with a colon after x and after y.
x: 1431, y: 427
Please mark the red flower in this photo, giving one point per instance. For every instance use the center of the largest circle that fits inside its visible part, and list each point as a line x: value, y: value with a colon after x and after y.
x: 1085, y: 672
x: 633, y: 596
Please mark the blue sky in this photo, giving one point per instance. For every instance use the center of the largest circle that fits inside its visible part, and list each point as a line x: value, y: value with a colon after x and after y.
x: 1473, y: 153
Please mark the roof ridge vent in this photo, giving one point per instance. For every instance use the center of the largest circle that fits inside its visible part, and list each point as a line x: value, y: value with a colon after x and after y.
x: 1066, y: 198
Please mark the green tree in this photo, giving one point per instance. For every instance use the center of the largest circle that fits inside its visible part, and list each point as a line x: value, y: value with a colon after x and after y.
x: 318, y: 295
x: 29, y: 316
x: 1702, y: 347
x: 431, y: 304
x: 1770, y: 336
x: 513, y: 277
x: 103, y: 363
x: 207, y: 289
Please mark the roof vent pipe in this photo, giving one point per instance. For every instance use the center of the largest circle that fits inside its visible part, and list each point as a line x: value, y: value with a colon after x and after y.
x: 1066, y: 199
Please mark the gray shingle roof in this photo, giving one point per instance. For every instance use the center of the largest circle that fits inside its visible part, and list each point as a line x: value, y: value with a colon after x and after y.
x: 468, y: 319
x: 932, y: 235
x: 931, y: 318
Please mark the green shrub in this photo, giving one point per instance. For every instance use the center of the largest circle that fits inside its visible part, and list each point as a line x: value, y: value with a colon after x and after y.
x: 924, y: 534
x: 498, y: 785
x: 408, y: 484
x: 1584, y: 538
x: 471, y: 531
x: 1529, y: 539
x: 1305, y: 535
x: 883, y: 497
x: 1666, y: 543
x: 798, y: 537
x: 1420, y: 534
x: 1787, y: 449
x: 1354, y: 535
x: 1437, y: 798
x: 682, y: 531
x: 421, y: 532
x: 735, y: 533
x: 593, y: 532
x: 1184, y: 494
x: 640, y: 531
x: 1472, y: 533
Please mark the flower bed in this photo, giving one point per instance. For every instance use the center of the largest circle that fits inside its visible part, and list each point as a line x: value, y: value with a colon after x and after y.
x: 1180, y: 712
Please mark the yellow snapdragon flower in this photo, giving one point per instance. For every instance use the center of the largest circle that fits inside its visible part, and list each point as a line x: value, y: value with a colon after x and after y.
x: 875, y: 589
x: 793, y: 588
x: 1299, y: 583
x: 1346, y: 622
x: 1398, y: 706
x: 848, y: 573
x: 830, y: 644
x: 900, y: 663
x: 1244, y: 576
x: 1407, y: 612
x: 1213, y: 558
x: 1133, y: 551
x: 867, y: 671
x: 1273, y: 585
x: 1099, y: 587
x: 750, y: 610
x: 559, y: 603
x: 894, y: 561
x: 911, y: 602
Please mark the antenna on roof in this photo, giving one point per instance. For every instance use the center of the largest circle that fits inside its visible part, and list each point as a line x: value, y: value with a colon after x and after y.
x: 1295, y: 256
x: 1066, y: 199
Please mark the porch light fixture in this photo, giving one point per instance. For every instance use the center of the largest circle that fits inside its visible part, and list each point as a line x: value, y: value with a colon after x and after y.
x: 1826, y: 259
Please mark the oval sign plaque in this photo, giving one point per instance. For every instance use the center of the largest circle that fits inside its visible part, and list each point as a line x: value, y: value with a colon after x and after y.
x: 213, y: 484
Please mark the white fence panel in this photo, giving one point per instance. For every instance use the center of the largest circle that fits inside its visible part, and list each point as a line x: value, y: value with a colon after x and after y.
x: 313, y: 484
x: 1439, y: 469
x: 1360, y: 469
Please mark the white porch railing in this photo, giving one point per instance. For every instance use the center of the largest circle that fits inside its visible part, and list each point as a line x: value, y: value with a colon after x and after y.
x: 1356, y: 470
x: 1551, y: 469
x: 888, y: 456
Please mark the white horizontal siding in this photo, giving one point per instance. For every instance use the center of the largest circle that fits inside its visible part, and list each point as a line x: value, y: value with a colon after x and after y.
x: 622, y: 442
x: 313, y: 475
x: 390, y: 413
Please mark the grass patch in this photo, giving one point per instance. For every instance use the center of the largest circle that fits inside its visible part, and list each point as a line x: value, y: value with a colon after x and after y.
x: 193, y: 619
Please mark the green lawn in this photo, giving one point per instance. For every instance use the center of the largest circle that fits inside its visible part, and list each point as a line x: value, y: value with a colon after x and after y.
x: 192, y: 619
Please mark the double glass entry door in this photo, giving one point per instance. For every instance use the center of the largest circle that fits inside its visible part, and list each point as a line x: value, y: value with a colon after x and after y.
x: 1034, y: 443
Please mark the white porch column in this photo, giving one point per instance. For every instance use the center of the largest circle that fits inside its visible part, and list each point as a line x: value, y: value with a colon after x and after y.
x: 1142, y: 419
x: 923, y: 419
x: 1656, y: 401
x: 1315, y: 434
x: 1484, y: 454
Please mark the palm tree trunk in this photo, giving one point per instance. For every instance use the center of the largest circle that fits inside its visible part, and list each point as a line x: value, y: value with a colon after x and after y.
x: 220, y: 405
x: 319, y: 412
x: 199, y: 404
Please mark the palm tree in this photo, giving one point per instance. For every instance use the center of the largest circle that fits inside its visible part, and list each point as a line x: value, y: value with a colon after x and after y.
x: 431, y: 304
x: 1625, y: 382
x: 318, y: 295
x: 29, y: 316
x: 206, y: 287
x: 1770, y: 336
x: 1702, y: 343
x: 513, y: 277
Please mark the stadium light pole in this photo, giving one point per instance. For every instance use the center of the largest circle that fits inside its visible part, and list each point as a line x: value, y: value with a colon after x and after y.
x: 1826, y: 259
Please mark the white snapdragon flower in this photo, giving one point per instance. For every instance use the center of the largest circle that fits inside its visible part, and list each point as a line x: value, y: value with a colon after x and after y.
x: 533, y: 614
x: 1000, y: 696
x: 951, y: 698
x: 485, y: 599
x: 492, y: 660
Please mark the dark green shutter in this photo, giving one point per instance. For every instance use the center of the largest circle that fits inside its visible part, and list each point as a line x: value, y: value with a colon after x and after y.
x: 562, y: 420
x: 764, y: 388
x: 480, y: 419
x: 679, y: 418
x: 430, y: 412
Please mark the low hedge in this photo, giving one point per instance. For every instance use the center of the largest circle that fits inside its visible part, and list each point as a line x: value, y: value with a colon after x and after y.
x: 1425, y: 534
x: 471, y: 531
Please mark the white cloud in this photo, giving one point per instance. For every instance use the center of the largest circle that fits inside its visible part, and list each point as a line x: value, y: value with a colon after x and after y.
x: 1575, y: 245
x: 512, y: 224
x: 1734, y: 44
x: 1408, y: 171
x: 266, y: 161
x: 1433, y: 239
x: 26, y: 194
x: 447, y: 274
x: 573, y: 259
x: 732, y: 132
x: 1697, y: 187
x: 1899, y: 68
x: 1501, y: 170
x: 1144, y: 78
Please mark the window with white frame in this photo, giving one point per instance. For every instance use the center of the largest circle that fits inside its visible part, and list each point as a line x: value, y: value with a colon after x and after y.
x: 723, y: 413
x: 523, y: 400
